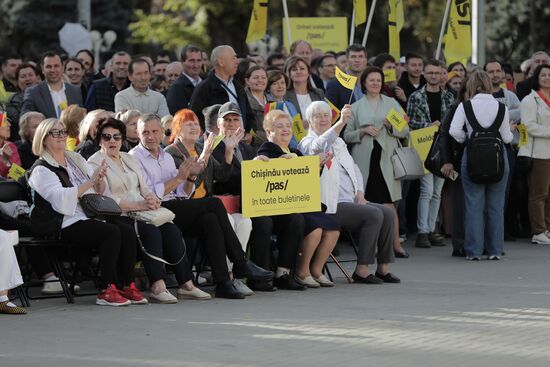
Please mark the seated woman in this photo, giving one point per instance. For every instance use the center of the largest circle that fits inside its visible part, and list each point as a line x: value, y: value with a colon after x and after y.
x: 27, y: 127
x: 373, y: 222
x: 87, y: 145
x: 186, y: 132
x: 204, y: 218
x: 8, y: 151
x: 128, y: 187
x: 10, y: 276
x: 58, y: 179
x: 321, y: 232
x: 71, y: 117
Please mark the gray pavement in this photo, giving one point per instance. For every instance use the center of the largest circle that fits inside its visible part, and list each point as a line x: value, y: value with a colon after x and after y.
x: 446, y: 312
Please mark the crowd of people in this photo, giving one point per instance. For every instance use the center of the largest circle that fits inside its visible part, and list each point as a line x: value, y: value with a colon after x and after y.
x: 166, y: 140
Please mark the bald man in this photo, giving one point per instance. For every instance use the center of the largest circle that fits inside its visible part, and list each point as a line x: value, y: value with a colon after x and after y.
x: 220, y: 87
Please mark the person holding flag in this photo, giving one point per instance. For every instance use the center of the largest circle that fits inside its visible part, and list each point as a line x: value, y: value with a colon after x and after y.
x: 373, y: 141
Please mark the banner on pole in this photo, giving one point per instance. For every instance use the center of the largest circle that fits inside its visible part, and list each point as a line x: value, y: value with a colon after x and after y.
x: 360, y: 10
x: 322, y: 33
x: 258, y: 21
x: 393, y: 31
x: 458, y: 40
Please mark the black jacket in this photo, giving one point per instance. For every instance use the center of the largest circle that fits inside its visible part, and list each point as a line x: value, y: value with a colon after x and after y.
x: 523, y: 88
x: 338, y: 95
x: 210, y: 91
x: 233, y: 185
x: 451, y: 150
x: 101, y: 94
x: 405, y: 84
x: 179, y: 94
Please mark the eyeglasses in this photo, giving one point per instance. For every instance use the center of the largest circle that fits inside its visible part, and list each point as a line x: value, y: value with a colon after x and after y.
x: 58, y: 133
x: 108, y: 137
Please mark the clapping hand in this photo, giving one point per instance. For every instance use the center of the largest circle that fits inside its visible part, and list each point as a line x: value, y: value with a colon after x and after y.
x: 231, y: 141
x: 99, y: 173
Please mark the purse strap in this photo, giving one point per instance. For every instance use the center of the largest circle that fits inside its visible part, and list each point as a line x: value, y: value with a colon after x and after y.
x: 156, y: 257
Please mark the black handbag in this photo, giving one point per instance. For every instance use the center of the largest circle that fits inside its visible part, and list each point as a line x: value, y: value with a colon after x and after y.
x: 434, y: 160
x: 99, y: 206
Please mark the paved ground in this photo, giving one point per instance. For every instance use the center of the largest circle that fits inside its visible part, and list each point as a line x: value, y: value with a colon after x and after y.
x: 447, y: 312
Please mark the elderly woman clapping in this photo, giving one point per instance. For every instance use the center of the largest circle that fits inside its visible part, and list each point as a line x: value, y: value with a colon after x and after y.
x: 372, y: 222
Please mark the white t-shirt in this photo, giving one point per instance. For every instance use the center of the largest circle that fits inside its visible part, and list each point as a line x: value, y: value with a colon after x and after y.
x: 59, y: 99
x: 304, y: 100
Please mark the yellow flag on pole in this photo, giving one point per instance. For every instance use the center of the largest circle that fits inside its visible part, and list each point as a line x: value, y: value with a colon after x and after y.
x: 458, y: 40
x: 346, y: 80
x: 258, y: 21
x: 360, y: 9
x: 400, y: 15
x: 393, y: 30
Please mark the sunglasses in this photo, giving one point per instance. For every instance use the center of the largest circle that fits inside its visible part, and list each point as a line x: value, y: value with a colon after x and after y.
x: 58, y: 133
x: 108, y: 137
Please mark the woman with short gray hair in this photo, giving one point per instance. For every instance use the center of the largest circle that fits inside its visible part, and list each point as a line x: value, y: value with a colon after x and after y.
x: 373, y: 222
x: 28, y: 123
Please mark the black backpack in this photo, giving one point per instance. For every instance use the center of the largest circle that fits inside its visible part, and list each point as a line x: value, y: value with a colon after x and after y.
x: 485, y: 148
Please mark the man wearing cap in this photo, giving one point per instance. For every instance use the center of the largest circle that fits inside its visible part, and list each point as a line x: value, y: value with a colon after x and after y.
x: 288, y: 228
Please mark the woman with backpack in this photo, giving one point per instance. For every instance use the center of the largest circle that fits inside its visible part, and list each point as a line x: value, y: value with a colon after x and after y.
x: 484, y: 168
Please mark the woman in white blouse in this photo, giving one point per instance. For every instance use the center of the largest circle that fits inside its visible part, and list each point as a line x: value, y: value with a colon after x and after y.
x: 481, y: 229
x: 10, y: 275
x: 373, y: 222
x: 58, y: 180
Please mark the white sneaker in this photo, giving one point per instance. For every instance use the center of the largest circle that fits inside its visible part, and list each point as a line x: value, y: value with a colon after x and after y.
x: 541, y: 239
x: 163, y: 297
x: 55, y: 287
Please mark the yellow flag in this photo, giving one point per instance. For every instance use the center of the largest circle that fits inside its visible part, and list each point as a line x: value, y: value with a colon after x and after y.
x: 458, y: 40
x: 360, y: 9
x: 400, y: 15
x: 298, y: 128
x: 393, y: 30
x: 396, y: 119
x: 390, y: 75
x: 258, y: 21
x: 15, y: 172
x: 523, y: 135
x: 346, y: 80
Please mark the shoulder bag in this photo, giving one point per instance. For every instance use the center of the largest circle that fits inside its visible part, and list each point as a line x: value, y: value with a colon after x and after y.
x: 99, y: 206
x: 407, y: 164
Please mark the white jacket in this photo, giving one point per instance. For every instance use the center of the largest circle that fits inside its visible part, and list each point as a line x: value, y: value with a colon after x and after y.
x: 331, y: 189
x: 535, y: 115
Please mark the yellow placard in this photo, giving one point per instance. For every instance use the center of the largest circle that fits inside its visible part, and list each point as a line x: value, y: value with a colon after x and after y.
x: 523, y: 135
x: 217, y: 140
x: 323, y: 33
x: 15, y: 172
x: 422, y: 140
x: 280, y: 186
x: 396, y: 119
x: 390, y: 75
x: 360, y: 10
x: 348, y: 81
x: 298, y: 128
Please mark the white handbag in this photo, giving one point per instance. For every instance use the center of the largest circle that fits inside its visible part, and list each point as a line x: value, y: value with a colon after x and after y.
x: 407, y: 164
x: 156, y: 217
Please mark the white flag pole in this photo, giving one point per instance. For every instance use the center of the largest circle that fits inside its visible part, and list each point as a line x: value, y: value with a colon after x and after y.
x: 352, y: 27
x: 287, y: 21
x: 369, y: 22
x: 442, y: 32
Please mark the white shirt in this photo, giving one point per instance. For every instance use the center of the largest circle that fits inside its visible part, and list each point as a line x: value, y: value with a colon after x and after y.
x: 230, y: 86
x: 149, y: 101
x: 195, y: 82
x: 59, y: 99
x: 485, y: 108
x: 304, y: 100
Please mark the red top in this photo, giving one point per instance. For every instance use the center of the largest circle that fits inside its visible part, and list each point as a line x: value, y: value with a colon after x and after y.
x: 541, y: 95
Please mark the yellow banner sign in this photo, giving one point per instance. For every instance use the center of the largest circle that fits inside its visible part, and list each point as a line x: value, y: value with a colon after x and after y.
x: 422, y: 140
x: 523, y: 135
x: 458, y: 40
x: 323, y: 33
x: 280, y: 186
x: 258, y: 21
x: 348, y: 81
x: 390, y: 75
x: 15, y: 172
x: 298, y: 129
x: 396, y: 119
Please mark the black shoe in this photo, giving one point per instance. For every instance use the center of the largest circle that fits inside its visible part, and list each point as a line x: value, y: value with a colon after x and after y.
x: 436, y: 239
x: 369, y: 279
x: 249, y: 270
x: 402, y: 254
x: 388, y: 277
x: 227, y: 289
x: 458, y: 253
x: 287, y: 282
x: 261, y: 285
x: 422, y: 241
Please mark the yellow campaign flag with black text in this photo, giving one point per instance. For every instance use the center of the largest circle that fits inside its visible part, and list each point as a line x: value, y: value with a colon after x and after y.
x: 393, y: 30
x: 346, y: 80
x: 360, y: 9
x: 458, y: 40
x: 400, y: 15
x: 258, y: 21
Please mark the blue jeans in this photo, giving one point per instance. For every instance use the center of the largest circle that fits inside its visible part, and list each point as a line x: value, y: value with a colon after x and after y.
x: 484, y: 219
x: 428, y: 203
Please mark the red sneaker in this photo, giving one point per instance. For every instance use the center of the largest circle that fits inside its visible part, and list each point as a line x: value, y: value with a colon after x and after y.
x: 133, y: 294
x: 111, y: 297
